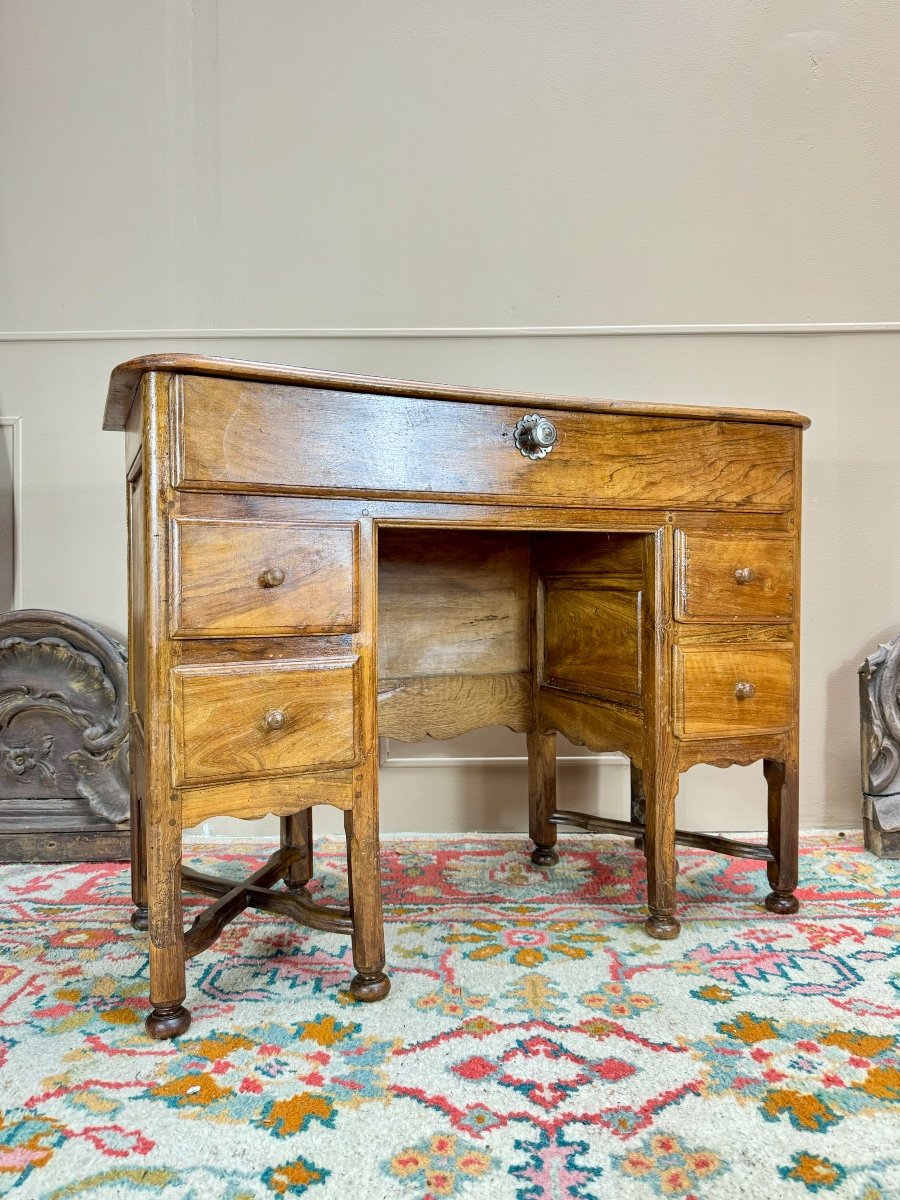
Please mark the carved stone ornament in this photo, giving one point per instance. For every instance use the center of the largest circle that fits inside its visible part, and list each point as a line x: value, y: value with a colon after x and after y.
x: 63, y: 731
x: 879, y: 700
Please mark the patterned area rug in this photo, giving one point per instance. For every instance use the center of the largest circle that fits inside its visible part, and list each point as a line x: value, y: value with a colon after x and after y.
x: 536, y: 1043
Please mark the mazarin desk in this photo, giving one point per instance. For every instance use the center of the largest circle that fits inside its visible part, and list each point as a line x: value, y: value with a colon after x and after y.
x: 316, y: 559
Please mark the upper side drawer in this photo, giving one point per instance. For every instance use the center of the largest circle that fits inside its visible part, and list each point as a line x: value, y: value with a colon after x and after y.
x: 260, y: 578
x: 247, y: 436
x: 734, y: 577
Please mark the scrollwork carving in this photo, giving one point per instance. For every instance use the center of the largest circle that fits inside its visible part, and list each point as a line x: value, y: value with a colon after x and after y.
x: 880, y: 711
x: 879, y: 705
x: 63, y: 712
x: 29, y: 755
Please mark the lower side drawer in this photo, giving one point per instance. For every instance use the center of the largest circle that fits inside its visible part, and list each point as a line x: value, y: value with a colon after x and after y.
x: 245, y: 720
x: 728, y: 691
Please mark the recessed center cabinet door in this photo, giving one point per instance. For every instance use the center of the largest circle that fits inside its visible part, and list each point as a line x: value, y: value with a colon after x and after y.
x: 259, y: 578
x: 592, y: 638
x: 251, y: 719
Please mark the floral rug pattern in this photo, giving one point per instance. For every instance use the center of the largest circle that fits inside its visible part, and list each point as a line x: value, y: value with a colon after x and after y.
x: 535, y: 1042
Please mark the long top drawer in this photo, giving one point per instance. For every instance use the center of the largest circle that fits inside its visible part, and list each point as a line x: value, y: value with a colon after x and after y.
x: 347, y: 442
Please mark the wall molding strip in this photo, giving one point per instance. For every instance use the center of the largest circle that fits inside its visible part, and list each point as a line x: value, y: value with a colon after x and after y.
x: 805, y: 329
x: 14, y: 424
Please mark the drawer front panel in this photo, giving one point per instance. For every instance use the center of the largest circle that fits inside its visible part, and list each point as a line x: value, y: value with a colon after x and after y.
x: 742, y: 578
x: 260, y: 578
x: 252, y: 719
x: 349, y: 442
x: 727, y: 691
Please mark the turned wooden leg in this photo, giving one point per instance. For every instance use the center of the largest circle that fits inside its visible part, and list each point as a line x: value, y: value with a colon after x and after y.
x: 542, y: 797
x: 364, y: 877
x: 638, y: 803
x: 168, y: 1017
x: 661, y: 788
x: 296, y: 832
x: 138, y: 857
x: 783, y: 838
x: 361, y: 822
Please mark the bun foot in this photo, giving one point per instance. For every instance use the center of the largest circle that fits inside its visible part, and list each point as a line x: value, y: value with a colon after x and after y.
x: 165, y: 1023
x: 661, y: 927
x: 639, y: 843
x: 139, y: 918
x: 783, y: 903
x: 370, y: 987
x: 544, y: 856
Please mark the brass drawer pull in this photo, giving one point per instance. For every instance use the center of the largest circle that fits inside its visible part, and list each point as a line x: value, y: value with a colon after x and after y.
x: 744, y: 690
x: 534, y: 436
x: 272, y: 578
x: 275, y: 719
x: 744, y: 575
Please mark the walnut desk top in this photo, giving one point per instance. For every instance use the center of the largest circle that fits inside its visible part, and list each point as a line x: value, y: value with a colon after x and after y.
x: 317, y: 559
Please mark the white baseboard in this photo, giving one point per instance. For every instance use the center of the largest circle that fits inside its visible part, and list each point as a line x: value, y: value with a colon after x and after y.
x: 449, y: 760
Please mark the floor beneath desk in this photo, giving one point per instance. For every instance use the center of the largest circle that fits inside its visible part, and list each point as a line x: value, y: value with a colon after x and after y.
x: 535, y: 1043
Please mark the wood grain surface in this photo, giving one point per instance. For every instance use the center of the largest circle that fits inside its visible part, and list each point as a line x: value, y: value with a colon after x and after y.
x: 220, y: 715
x: 452, y: 601
x: 391, y: 445
x: 126, y: 377
x: 712, y: 583
x: 220, y: 578
x: 250, y: 799
x: 597, y: 724
x: 707, y: 679
x: 445, y: 706
x: 137, y: 608
x: 592, y: 637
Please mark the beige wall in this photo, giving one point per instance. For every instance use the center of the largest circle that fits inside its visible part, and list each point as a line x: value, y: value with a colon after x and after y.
x: 643, y: 201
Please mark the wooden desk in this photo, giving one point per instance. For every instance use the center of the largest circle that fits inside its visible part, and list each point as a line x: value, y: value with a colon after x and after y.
x: 316, y: 559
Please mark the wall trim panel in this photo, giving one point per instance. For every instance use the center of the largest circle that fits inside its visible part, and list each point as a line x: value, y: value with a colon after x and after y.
x: 14, y: 424
x: 453, y: 331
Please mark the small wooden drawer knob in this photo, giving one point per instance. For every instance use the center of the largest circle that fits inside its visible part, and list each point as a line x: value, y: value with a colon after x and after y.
x: 744, y: 575
x: 744, y: 690
x: 273, y: 577
x: 275, y: 719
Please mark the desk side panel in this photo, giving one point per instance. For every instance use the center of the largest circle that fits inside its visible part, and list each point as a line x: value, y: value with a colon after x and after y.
x: 137, y: 605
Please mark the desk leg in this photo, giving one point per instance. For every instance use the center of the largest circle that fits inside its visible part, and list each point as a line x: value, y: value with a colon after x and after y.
x: 783, y: 836
x: 638, y: 803
x: 168, y: 1017
x: 364, y: 878
x: 138, y: 857
x: 542, y: 797
x: 296, y: 833
x: 661, y: 788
